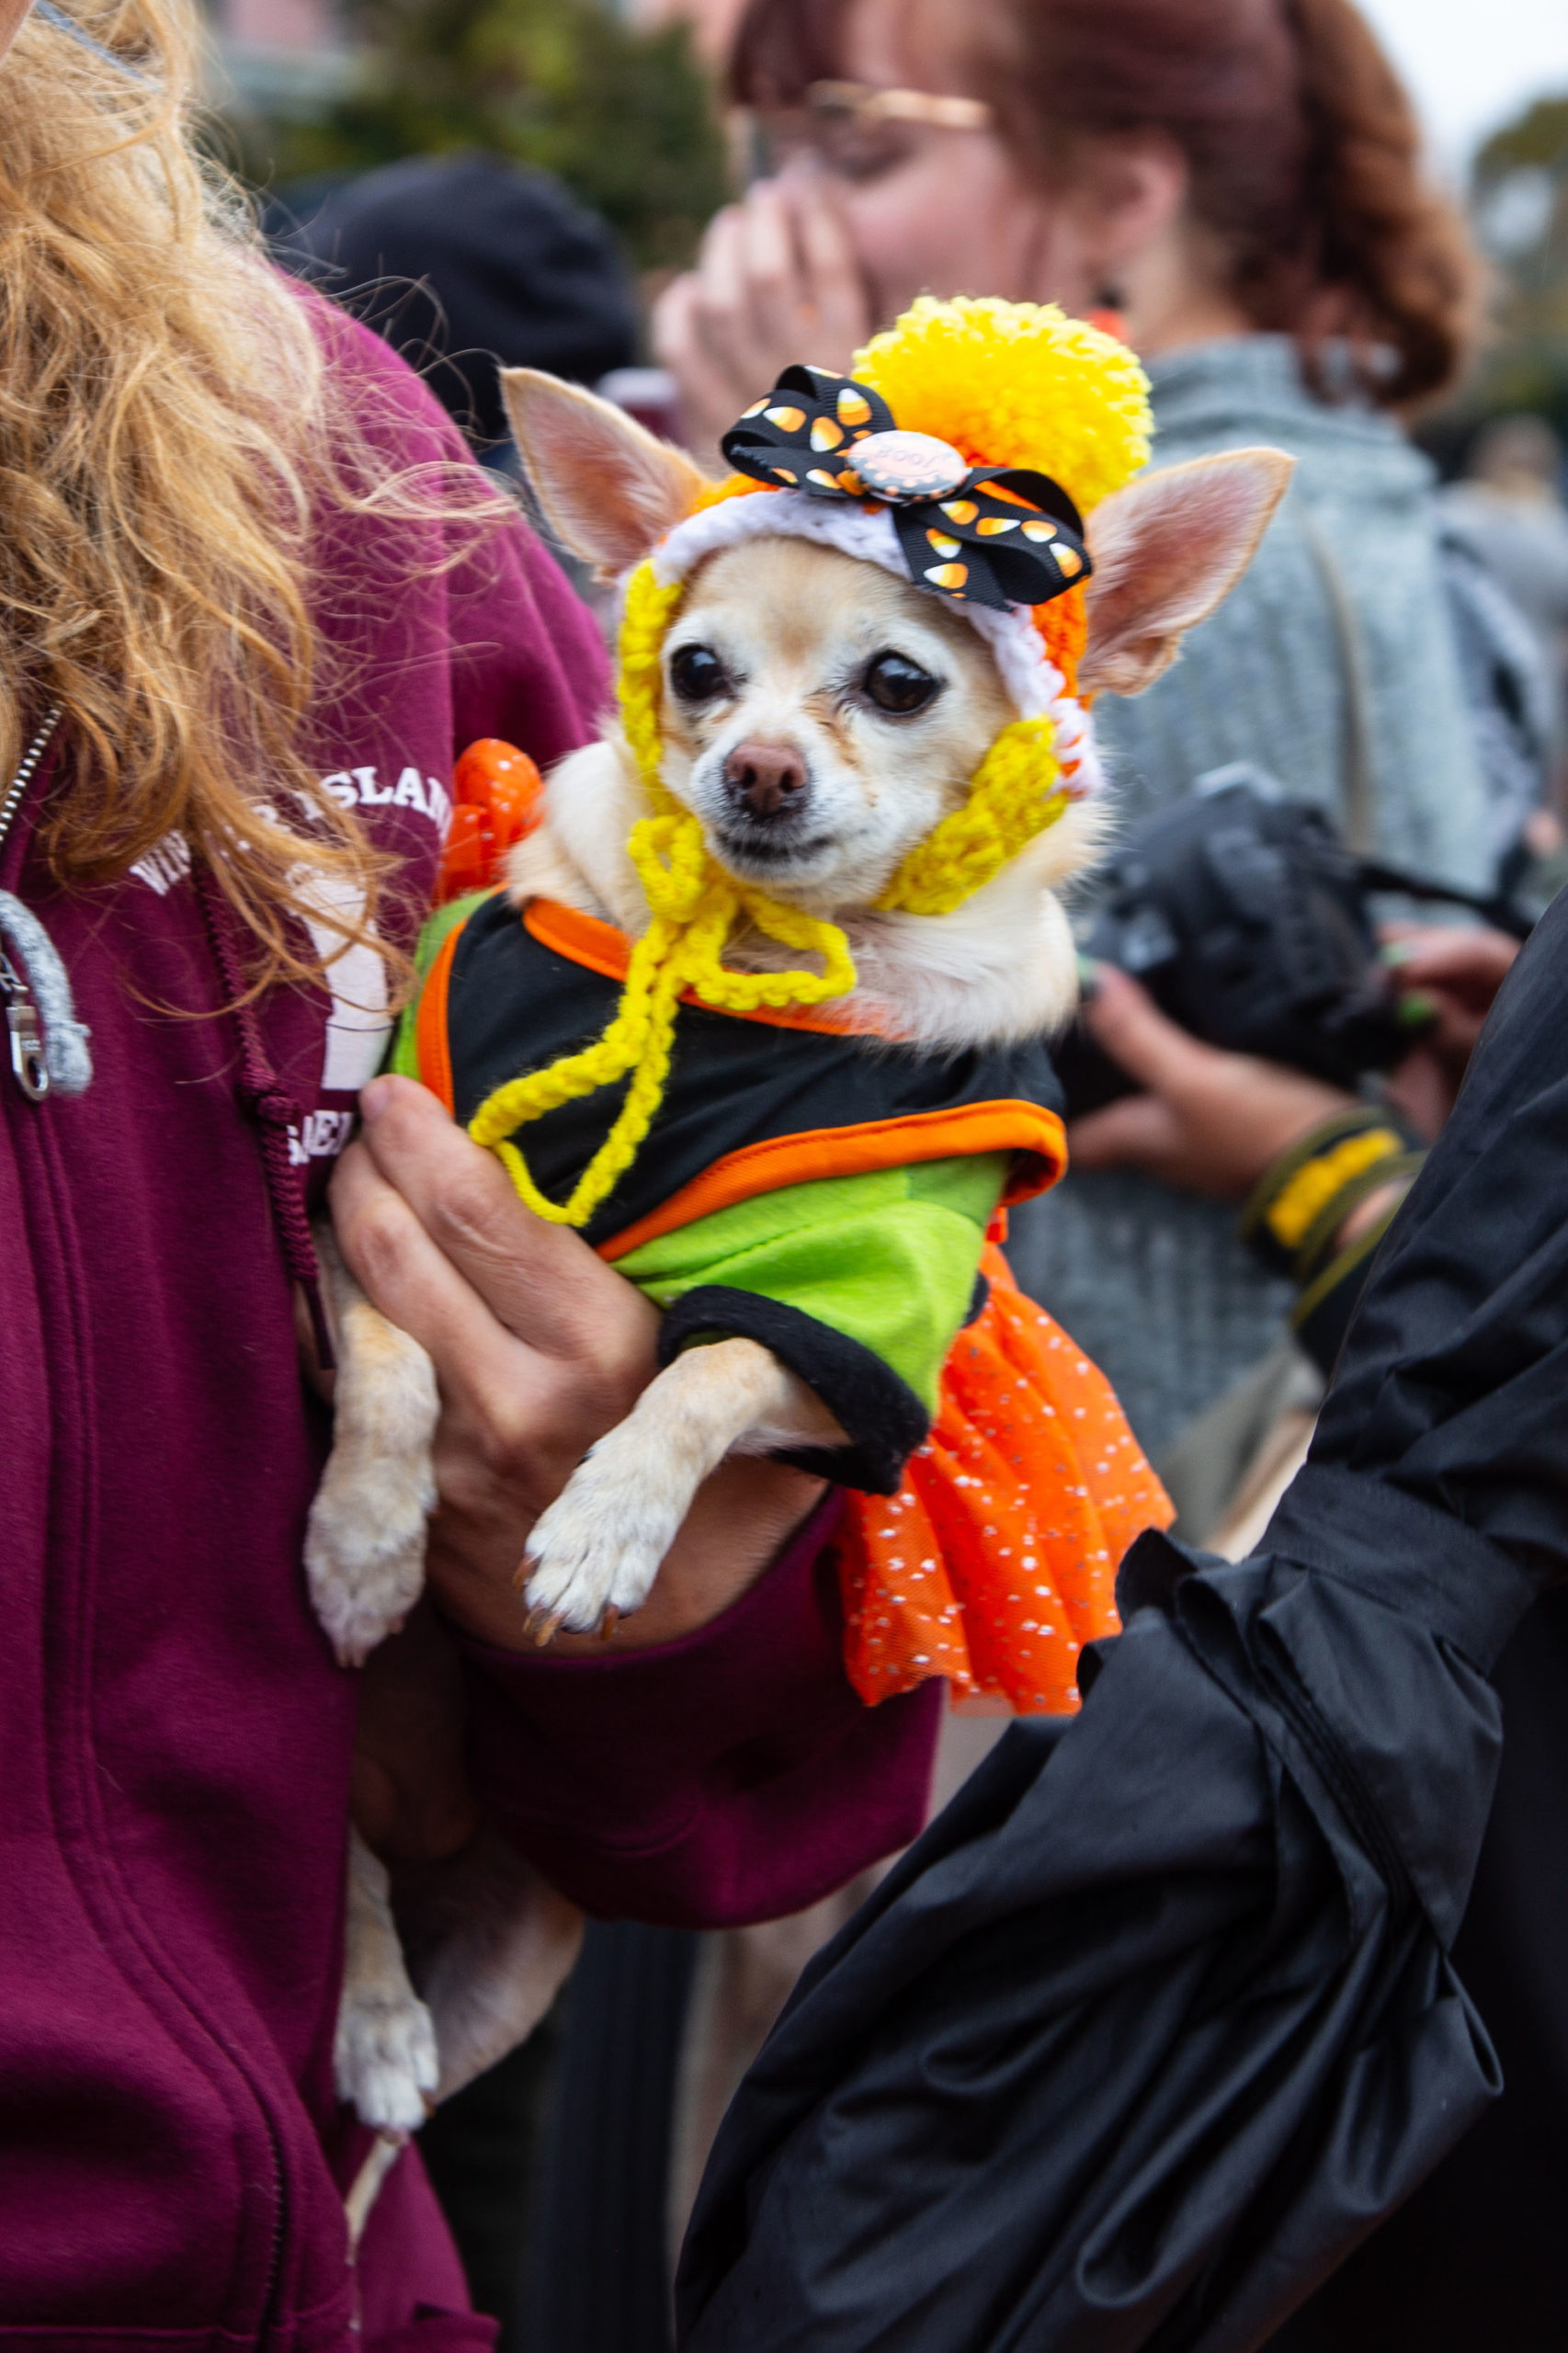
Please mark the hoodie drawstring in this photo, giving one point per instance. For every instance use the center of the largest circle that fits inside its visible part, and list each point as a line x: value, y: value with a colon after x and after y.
x: 274, y: 1113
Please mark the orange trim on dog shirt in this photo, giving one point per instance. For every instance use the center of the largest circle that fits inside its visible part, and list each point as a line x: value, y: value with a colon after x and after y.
x: 601, y: 947
x: 768, y: 1168
x: 432, y: 1046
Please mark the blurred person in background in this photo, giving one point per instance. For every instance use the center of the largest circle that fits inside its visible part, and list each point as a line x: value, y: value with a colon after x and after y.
x: 1509, y: 509
x: 1239, y: 180
x: 464, y: 264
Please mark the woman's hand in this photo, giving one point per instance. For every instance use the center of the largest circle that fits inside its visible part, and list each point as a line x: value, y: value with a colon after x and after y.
x: 1211, y: 1120
x: 1454, y: 974
x: 539, y: 1348
x: 776, y: 282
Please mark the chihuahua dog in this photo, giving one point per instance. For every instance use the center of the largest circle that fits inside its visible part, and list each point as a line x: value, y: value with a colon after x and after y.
x: 819, y: 717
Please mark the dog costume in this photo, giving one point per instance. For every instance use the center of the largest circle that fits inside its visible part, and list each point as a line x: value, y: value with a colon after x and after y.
x: 759, y: 1162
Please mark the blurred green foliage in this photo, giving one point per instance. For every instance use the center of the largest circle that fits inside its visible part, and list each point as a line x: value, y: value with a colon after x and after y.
x: 1519, y: 198
x: 627, y: 117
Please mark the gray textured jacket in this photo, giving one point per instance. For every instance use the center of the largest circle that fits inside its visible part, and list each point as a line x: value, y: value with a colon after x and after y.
x: 1152, y: 1281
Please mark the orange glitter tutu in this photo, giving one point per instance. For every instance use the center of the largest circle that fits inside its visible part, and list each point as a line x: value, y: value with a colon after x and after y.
x: 996, y: 1559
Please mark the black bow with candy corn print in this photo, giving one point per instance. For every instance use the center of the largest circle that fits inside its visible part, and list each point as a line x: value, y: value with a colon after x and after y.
x: 982, y: 534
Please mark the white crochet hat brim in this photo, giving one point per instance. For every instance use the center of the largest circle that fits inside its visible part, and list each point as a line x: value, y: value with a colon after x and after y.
x: 1035, y: 686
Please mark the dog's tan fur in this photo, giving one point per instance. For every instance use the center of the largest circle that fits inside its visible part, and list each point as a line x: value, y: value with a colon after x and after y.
x: 1002, y: 966
x: 796, y: 625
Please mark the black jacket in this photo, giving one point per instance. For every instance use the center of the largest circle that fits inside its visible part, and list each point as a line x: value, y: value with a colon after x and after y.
x: 1162, y: 2016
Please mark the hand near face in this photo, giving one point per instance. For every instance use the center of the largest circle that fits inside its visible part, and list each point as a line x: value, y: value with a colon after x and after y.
x: 776, y: 281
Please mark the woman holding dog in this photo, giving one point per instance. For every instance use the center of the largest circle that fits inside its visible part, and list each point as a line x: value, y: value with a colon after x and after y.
x: 1239, y: 180
x: 254, y: 600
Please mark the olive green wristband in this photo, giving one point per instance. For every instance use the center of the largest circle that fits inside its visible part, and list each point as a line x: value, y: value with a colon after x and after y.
x: 1302, y: 1200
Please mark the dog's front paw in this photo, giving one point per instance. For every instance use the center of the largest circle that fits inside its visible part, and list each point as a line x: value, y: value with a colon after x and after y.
x: 593, y: 1556
x: 365, y: 1546
x: 384, y: 2056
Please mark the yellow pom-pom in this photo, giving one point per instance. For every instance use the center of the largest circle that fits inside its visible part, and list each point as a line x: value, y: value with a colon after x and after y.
x: 1017, y: 384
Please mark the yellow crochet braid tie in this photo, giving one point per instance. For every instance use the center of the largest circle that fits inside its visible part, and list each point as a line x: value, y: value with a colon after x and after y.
x: 1016, y: 793
x: 694, y: 904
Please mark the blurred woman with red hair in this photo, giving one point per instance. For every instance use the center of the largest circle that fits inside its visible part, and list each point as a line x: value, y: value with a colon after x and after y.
x: 1241, y: 181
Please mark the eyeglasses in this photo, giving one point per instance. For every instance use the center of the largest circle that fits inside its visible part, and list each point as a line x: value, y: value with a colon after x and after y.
x: 854, y: 128
x: 865, y: 106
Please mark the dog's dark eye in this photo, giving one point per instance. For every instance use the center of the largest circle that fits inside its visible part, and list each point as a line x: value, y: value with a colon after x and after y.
x: 698, y: 675
x: 895, y: 683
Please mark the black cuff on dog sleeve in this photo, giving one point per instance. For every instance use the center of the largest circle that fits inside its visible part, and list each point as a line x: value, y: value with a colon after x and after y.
x: 880, y: 1414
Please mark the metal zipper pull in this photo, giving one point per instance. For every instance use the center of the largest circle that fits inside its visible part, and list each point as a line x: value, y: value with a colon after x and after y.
x: 27, y: 1063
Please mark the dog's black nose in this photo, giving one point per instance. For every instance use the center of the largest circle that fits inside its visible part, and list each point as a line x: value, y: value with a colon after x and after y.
x: 764, y: 779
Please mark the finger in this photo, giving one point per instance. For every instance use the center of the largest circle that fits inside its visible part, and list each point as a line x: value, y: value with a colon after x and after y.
x: 514, y: 1420
x: 708, y: 401
x: 833, y: 277
x: 1477, y: 962
x: 542, y: 1280
x: 414, y: 1286
x: 1455, y: 1023
x: 721, y: 306
x: 1125, y: 1022
x: 714, y: 236
x: 1138, y: 1132
x: 1423, y: 1091
x: 669, y: 322
x: 774, y: 294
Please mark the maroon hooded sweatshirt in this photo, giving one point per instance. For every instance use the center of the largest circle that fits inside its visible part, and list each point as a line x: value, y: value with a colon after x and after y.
x: 176, y: 1736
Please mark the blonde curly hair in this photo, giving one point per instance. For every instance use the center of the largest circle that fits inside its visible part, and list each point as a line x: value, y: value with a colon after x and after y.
x: 170, y: 439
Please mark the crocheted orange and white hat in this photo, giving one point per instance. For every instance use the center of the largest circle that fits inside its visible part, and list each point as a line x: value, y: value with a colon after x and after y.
x: 962, y: 452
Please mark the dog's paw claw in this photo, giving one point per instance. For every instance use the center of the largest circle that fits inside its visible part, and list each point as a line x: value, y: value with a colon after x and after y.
x: 541, y: 1627
x: 594, y: 1556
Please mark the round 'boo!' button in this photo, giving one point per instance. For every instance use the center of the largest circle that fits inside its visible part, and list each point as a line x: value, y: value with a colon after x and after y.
x: 908, y: 465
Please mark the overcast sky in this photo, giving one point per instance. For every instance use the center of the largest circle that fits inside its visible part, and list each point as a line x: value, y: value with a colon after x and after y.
x: 1475, y: 62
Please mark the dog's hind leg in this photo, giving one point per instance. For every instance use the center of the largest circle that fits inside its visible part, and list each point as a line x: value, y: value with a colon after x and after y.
x: 598, y: 1547
x: 384, y: 2055
x: 365, y: 1539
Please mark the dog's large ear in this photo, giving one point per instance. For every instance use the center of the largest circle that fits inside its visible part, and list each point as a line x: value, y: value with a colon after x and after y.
x: 607, y: 488
x: 1167, y: 549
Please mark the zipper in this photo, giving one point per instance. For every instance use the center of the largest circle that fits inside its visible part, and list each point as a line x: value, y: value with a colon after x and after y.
x: 272, y: 2292
x: 28, y: 1066
x: 94, y: 1866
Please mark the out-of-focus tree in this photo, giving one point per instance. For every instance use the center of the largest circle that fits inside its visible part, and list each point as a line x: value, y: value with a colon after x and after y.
x: 1520, y: 203
x: 626, y: 116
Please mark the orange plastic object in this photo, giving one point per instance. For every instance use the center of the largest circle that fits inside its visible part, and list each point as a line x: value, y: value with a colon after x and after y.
x: 499, y: 797
x: 996, y: 1560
